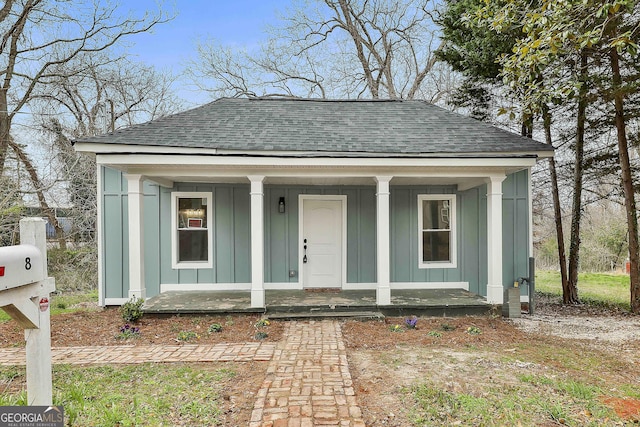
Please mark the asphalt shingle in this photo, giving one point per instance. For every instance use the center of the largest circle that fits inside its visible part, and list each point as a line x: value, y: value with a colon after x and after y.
x: 323, y: 126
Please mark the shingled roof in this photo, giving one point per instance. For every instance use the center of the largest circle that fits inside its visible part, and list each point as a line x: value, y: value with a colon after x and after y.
x: 323, y: 126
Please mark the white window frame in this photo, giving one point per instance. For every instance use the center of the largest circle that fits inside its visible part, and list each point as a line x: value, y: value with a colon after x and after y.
x: 453, y: 262
x: 174, y: 229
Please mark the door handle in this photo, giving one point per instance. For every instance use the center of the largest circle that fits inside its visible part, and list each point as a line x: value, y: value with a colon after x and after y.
x: 304, y: 258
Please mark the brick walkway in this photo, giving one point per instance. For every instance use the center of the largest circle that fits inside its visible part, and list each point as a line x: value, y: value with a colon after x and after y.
x: 307, y: 384
x: 308, y: 381
x: 148, y: 353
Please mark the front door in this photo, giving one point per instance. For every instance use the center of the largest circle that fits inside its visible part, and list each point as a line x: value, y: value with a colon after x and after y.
x: 322, y: 241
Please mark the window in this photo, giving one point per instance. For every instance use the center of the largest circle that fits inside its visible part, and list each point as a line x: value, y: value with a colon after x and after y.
x: 191, y: 215
x: 437, y: 232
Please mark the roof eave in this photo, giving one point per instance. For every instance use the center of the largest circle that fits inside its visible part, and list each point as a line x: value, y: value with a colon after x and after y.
x: 90, y: 147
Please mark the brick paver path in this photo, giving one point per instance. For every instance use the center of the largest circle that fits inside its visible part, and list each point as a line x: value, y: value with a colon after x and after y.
x: 308, y: 381
x: 307, y: 384
x: 258, y: 351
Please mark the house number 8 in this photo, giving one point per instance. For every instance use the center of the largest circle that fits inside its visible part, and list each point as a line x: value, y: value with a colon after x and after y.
x: 27, y: 263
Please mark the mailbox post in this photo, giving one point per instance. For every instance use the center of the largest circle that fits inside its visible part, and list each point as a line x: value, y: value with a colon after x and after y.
x: 24, y: 294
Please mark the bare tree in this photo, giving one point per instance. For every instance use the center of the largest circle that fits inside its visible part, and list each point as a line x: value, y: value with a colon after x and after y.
x: 334, y: 49
x: 105, y: 97
x: 38, y: 38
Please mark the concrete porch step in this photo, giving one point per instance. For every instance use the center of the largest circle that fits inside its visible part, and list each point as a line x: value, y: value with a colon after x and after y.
x: 364, y: 315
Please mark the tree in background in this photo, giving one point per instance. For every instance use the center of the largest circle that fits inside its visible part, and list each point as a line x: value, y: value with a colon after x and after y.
x: 604, y: 36
x: 334, y: 49
x: 473, y: 48
x: 40, y: 37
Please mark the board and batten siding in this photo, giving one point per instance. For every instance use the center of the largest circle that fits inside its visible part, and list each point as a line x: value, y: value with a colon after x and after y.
x: 232, y: 240
x: 471, y: 213
x: 281, y: 231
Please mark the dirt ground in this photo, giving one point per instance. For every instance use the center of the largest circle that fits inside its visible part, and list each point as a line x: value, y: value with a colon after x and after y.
x: 557, y: 342
x: 383, y: 362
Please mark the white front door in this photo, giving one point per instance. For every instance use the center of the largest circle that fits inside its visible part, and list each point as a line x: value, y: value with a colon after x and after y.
x: 322, y: 241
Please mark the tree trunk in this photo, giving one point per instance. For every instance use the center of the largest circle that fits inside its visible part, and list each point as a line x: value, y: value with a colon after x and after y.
x: 570, y: 291
x: 39, y: 189
x: 557, y: 213
x: 627, y: 182
x: 5, y: 125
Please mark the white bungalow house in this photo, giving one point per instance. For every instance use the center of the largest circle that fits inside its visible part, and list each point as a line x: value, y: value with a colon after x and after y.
x: 255, y: 194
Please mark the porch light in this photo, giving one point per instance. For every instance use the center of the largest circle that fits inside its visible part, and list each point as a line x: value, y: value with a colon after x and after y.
x: 281, y: 205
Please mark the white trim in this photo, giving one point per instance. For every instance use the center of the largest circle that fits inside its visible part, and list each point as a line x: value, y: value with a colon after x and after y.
x: 383, y: 240
x: 293, y: 286
x: 114, y: 301
x: 257, y: 240
x: 100, y: 224
x: 328, y: 197
x: 430, y: 285
x: 135, y: 211
x: 175, y: 195
x: 495, y: 286
x: 297, y: 286
x: 177, y: 161
x: 360, y: 286
x: 167, y: 287
x: 453, y: 230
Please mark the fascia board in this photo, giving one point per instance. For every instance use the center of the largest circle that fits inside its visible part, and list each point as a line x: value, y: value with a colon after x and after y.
x: 142, y: 160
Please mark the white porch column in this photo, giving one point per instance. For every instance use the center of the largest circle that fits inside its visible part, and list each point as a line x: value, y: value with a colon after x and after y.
x: 495, y: 290
x: 257, y: 241
x: 135, y: 195
x: 383, y: 291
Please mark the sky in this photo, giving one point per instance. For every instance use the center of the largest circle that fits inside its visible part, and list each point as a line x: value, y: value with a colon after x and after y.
x: 170, y: 45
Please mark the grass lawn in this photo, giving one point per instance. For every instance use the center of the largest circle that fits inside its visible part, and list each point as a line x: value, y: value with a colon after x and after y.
x: 64, y: 303
x: 132, y: 395
x: 596, y: 288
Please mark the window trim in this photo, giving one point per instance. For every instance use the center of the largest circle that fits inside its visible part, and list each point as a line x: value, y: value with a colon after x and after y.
x: 453, y: 251
x: 175, y: 195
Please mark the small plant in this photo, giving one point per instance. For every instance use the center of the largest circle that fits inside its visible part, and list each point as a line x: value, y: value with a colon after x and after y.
x: 411, y: 322
x: 61, y: 305
x: 260, y: 335
x: 434, y: 334
x: 447, y: 327
x: 262, y: 323
x: 216, y: 327
x: 127, y: 331
x: 187, y: 336
x: 474, y: 330
x: 132, y: 310
x: 395, y: 328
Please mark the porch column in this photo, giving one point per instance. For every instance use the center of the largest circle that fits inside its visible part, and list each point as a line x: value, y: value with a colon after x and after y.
x: 383, y: 291
x: 257, y: 241
x: 495, y: 290
x: 135, y: 195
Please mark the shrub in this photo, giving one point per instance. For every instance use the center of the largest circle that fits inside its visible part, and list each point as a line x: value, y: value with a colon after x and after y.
x: 187, y: 336
x: 261, y: 335
x: 262, y: 323
x: 216, y: 327
x: 132, y: 310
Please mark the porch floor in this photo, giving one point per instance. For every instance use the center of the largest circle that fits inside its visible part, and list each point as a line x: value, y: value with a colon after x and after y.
x: 279, y: 303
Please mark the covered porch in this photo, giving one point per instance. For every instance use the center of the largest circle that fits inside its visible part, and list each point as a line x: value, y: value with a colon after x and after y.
x: 323, y: 303
x: 319, y: 179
